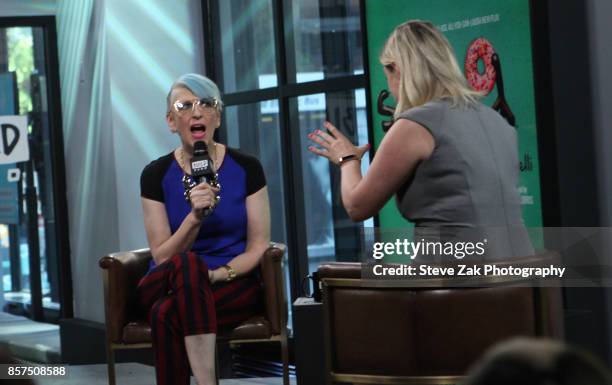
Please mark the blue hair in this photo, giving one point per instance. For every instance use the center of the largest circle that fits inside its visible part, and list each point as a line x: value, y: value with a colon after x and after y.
x: 199, y: 85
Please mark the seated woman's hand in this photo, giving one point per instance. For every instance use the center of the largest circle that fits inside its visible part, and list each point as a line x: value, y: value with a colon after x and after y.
x: 211, y: 277
x: 335, y: 145
x: 202, y: 197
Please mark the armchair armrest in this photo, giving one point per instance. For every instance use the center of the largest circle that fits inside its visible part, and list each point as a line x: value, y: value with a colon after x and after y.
x: 271, y: 267
x: 340, y: 270
x: 121, y: 273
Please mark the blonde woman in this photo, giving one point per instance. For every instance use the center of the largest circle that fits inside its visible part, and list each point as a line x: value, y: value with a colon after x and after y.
x: 451, y: 161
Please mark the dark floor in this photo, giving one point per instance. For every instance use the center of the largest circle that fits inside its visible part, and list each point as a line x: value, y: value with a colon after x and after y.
x: 135, y: 374
x: 40, y: 342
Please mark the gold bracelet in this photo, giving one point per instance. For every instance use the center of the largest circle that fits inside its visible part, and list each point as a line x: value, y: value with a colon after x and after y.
x: 231, y: 273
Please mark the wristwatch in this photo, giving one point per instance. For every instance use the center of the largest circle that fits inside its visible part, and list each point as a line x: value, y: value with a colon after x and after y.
x: 346, y: 158
x: 231, y: 273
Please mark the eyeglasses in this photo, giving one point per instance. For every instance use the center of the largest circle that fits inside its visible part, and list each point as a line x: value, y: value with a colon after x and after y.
x: 209, y: 106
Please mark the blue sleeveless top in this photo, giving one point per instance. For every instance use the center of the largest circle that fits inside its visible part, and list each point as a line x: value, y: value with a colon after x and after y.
x: 222, y: 235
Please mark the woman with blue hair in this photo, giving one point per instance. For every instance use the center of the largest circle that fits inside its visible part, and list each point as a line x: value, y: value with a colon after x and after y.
x: 205, y: 249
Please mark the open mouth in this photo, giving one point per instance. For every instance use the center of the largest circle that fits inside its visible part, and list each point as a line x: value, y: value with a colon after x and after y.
x: 198, y: 131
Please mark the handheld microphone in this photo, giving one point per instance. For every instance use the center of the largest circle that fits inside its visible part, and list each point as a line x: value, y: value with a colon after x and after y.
x: 202, y: 168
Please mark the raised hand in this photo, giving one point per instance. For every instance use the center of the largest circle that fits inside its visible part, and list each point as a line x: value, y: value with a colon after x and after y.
x: 335, y: 145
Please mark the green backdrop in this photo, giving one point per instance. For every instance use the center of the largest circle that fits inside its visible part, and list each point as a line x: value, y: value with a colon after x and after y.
x: 506, y: 25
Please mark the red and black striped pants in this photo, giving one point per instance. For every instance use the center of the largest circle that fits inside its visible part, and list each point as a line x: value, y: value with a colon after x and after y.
x: 181, y: 302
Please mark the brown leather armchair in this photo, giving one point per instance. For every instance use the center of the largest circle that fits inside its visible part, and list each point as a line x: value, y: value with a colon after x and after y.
x: 126, y: 329
x: 425, y: 331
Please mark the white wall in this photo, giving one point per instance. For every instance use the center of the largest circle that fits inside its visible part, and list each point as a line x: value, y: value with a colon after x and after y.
x: 90, y: 164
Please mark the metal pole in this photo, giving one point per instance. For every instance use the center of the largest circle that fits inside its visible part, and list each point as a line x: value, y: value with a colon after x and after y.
x: 33, y: 242
x: 15, y: 257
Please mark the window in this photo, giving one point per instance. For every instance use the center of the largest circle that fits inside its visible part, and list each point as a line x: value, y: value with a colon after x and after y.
x: 282, y: 79
x: 331, y: 235
x: 34, y: 253
x: 247, y: 45
x: 254, y: 128
x: 326, y: 39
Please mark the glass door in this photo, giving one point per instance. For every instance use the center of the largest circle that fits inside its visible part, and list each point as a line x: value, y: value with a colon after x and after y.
x: 34, y: 257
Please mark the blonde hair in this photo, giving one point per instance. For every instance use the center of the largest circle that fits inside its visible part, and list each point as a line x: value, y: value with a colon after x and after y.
x: 427, y: 64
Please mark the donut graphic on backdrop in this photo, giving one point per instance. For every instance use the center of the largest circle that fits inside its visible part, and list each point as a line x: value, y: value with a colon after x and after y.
x: 480, y: 49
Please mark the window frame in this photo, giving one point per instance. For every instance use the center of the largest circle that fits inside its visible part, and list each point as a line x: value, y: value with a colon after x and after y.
x: 60, y: 205
x: 286, y: 92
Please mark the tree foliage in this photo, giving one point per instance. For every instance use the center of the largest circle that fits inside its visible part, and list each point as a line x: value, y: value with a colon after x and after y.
x: 21, y: 60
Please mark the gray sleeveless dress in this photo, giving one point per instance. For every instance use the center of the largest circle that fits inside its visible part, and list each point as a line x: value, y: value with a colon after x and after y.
x: 467, y: 189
